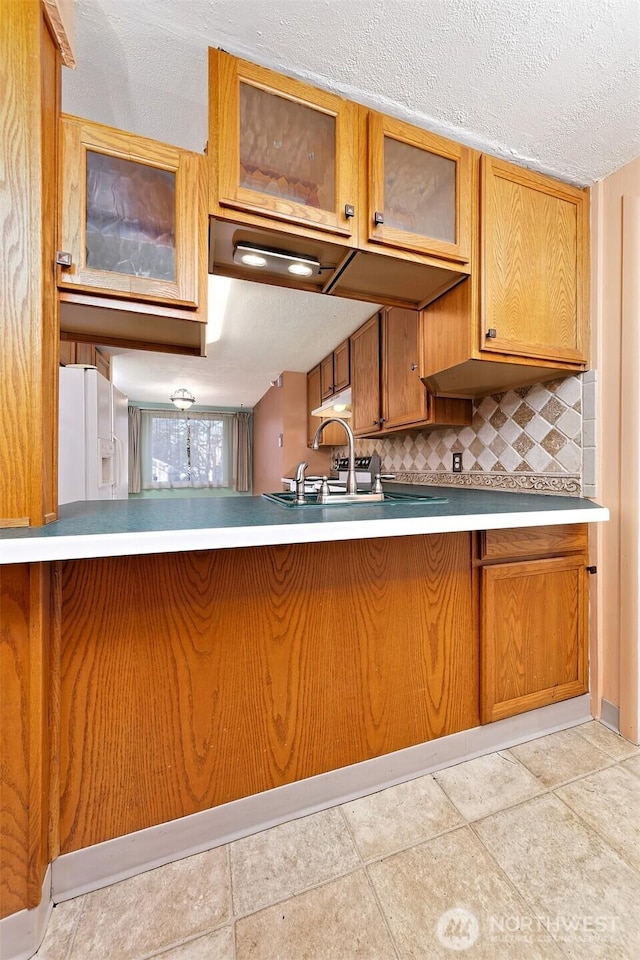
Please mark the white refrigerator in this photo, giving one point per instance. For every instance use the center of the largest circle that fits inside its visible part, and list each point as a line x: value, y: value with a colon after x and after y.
x: 93, y: 437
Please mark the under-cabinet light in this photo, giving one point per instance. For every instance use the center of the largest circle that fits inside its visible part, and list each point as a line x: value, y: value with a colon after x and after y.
x: 277, y: 261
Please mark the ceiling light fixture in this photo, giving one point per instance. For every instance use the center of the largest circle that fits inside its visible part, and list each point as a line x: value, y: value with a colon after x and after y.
x: 276, y: 261
x: 182, y: 399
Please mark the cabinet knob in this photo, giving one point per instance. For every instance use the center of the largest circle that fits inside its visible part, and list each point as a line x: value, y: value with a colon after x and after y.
x: 491, y: 333
x: 349, y: 210
x: 378, y: 218
x: 414, y: 366
x: 63, y: 258
x: 375, y: 422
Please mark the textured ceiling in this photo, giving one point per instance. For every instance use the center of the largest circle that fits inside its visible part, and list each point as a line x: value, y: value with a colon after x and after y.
x: 262, y: 331
x: 552, y: 84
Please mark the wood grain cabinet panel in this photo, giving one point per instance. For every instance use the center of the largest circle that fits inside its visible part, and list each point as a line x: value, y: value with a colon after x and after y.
x: 110, y: 181
x: 387, y: 394
x: 419, y: 189
x: 189, y: 680
x: 366, y: 416
x: 327, y: 388
x: 534, y: 264
x: 24, y: 734
x: 332, y: 435
x: 341, y: 366
x: 534, y: 635
x: 285, y: 150
x: 404, y: 395
x: 534, y: 541
x: 522, y: 316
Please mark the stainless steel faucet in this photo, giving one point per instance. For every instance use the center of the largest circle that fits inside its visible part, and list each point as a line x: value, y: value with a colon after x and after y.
x: 352, y: 483
x: 300, y: 469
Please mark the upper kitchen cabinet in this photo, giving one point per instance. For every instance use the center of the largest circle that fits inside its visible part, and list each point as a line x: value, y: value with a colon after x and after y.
x: 133, y: 237
x: 419, y: 190
x: 522, y: 316
x: 388, y: 395
x: 534, y: 278
x: 290, y: 191
x: 283, y: 150
x: 128, y: 216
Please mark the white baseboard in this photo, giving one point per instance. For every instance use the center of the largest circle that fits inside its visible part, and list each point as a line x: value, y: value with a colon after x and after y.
x: 105, y: 863
x: 22, y: 933
x: 610, y: 715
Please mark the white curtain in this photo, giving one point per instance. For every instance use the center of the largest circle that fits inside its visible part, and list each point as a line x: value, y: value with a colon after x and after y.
x: 182, y: 449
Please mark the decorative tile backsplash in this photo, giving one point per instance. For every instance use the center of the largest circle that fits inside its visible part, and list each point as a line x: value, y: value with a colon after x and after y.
x: 528, y: 438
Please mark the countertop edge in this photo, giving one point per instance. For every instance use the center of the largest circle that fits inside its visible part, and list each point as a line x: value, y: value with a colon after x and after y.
x: 83, y: 547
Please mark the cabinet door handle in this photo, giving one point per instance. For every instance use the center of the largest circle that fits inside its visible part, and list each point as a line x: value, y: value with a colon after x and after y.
x: 491, y: 333
x: 349, y: 210
x: 378, y: 218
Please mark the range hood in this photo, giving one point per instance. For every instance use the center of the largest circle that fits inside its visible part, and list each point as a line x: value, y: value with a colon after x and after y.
x: 339, y: 405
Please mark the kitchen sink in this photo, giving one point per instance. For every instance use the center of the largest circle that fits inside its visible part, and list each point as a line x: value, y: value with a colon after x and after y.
x: 344, y: 500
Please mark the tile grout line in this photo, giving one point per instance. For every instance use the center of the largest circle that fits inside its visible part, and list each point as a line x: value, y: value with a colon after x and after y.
x: 602, y: 749
x: 511, y: 884
x: 162, y: 951
x: 231, y: 908
x: 383, y: 912
x: 592, y: 829
x: 72, y: 941
x: 369, y: 882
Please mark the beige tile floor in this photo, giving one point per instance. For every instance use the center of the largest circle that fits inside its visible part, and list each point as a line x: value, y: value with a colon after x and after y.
x: 527, y: 854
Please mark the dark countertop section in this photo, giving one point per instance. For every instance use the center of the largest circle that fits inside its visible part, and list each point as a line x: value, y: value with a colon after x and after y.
x: 127, y: 527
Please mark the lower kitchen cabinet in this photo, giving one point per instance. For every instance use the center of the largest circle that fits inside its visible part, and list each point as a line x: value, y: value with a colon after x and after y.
x: 534, y: 625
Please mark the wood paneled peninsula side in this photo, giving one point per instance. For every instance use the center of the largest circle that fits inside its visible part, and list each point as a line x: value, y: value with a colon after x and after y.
x: 204, y: 653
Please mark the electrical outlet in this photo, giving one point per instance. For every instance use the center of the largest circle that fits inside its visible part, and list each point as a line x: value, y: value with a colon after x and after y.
x: 457, y: 462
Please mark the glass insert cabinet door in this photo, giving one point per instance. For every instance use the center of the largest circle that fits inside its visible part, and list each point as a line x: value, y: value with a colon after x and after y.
x: 129, y: 215
x: 286, y: 150
x: 419, y: 190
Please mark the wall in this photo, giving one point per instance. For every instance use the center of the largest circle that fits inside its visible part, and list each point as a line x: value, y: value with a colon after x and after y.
x: 283, y: 410
x: 615, y: 324
x: 529, y: 438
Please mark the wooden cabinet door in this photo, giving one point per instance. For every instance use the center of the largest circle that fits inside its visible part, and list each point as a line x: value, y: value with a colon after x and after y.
x: 86, y: 353
x: 420, y: 191
x: 341, y: 367
x: 286, y: 150
x: 535, y: 259
x: 129, y: 210
x: 333, y: 435
x: 404, y: 396
x: 326, y: 377
x: 67, y: 352
x: 103, y: 363
x: 365, y: 378
x: 534, y: 635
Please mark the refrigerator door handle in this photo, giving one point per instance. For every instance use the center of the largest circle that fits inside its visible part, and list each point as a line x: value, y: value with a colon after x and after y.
x: 118, y: 460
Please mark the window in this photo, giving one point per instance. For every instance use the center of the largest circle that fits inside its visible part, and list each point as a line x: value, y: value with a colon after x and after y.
x: 185, y: 450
